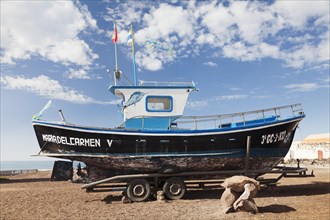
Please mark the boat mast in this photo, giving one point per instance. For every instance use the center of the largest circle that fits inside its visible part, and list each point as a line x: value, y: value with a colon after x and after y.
x: 114, y: 40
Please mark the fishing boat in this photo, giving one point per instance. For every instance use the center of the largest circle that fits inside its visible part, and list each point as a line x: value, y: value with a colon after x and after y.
x: 155, y: 136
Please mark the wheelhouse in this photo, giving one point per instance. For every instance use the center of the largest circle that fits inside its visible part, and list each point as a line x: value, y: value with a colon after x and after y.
x: 152, y: 105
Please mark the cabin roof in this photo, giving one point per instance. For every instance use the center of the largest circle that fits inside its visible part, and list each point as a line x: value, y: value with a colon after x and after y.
x: 155, y: 85
x: 114, y: 88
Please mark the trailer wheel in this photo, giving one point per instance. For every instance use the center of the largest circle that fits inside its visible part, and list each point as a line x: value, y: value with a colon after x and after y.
x: 174, y: 188
x: 138, y: 190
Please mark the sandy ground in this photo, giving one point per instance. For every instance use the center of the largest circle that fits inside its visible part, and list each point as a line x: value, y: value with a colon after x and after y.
x: 33, y: 196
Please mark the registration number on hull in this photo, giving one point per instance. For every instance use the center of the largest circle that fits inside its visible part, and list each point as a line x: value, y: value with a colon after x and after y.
x: 273, y: 138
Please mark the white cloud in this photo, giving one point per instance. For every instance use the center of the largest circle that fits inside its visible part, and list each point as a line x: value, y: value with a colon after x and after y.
x: 292, y: 31
x: 148, y: 61
x: 249, y: 30
x: 211, y: 64
x: 198, y: 104
x: 327, y: 80
x: 237, y: 21
x: 300, y: 39
x: 49, y: 29
x: 324, y: 48
x: 126, y: 13
x: 195, y: 104
x: 166, y: 20
x: 250, y: 19
x: 77, y: 74
x: 70, y: 51
x: 307, y: 54
x: 245, y: 31
x: 242, y: 52
x: 48, y: 88
x: 218, y: 22
x: 175, y: 30
x: 304, y: 87
x: 235, y: 89
x: 207, y: 38
x: 230, y: 97
x: 297, y: 13
x: 300, y: 56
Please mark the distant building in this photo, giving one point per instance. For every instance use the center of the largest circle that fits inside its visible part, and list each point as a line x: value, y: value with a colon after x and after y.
x: 315, y: 146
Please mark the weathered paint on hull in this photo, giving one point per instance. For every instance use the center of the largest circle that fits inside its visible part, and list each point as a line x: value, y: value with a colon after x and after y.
x: 120, y: 166
x: 144, y: 153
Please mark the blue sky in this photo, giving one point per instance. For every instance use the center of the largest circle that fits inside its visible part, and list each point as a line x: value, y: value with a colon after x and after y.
x: 244, y: 55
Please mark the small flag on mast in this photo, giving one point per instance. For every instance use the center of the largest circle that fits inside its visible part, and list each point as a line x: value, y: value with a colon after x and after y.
x: 114, y: 40
x: 129, y: 38
x: 115, y: 33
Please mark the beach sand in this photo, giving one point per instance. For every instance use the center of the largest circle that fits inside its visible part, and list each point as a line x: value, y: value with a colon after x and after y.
x: 34, y: 196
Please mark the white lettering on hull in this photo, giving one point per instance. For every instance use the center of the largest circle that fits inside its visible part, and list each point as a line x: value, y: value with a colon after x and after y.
x: 273, y: 138
x: 72, y: 141
x: 109, y: 142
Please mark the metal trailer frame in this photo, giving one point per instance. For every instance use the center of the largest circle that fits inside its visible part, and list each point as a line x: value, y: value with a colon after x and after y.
x: 133, y: 182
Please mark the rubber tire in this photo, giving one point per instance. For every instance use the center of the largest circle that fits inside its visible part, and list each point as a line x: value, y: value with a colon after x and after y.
x: 132, y: 187
x: 174, y: 182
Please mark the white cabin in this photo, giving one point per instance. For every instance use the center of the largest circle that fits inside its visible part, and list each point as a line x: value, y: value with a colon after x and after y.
x: 153, y: 106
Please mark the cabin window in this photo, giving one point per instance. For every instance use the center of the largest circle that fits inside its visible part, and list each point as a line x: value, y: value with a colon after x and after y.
x: 159, y: 103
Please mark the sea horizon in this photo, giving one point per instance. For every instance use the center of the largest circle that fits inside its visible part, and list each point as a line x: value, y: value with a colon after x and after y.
x: 29, y: 165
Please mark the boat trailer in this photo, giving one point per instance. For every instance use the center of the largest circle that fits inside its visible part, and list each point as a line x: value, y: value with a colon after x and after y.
x: 139, y: 187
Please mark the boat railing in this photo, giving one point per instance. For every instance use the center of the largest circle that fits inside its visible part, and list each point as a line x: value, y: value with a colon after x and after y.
x: 240, y: 119
x: 155, y: 83
x: 232, y: 120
